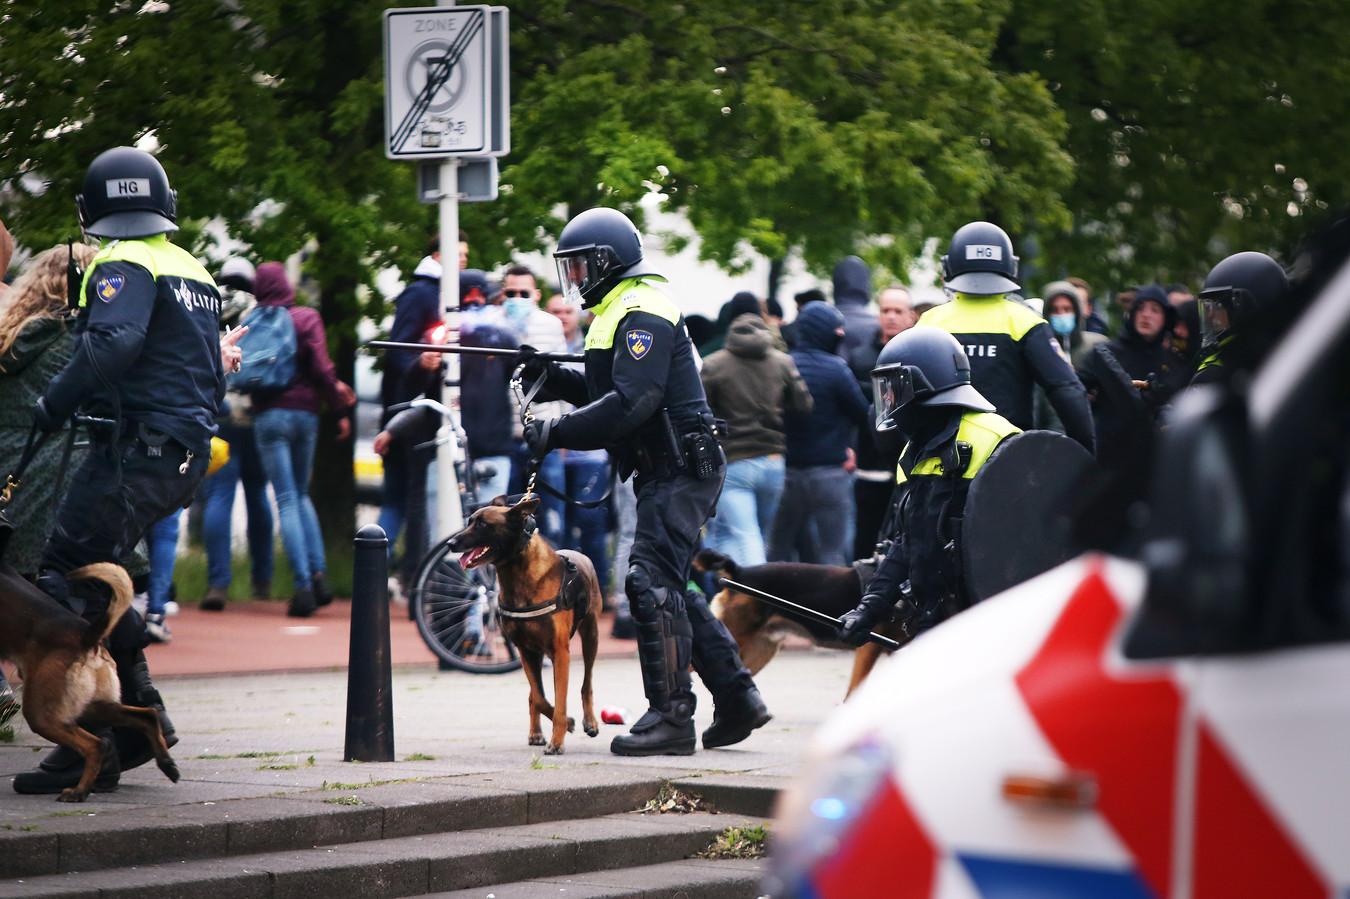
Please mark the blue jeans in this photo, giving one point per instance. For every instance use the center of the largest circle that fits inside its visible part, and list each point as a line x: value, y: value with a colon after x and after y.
x: 286, y: 439
x: 218, y: 492
x: 163, y: 541
x: 745, y: 513
x: 812, y: 524
x: 587, y: 530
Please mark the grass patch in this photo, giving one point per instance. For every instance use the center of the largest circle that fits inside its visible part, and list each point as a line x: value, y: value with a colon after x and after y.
x: 25, y: 827
x: 420, y: 757
x: 738, y: 842
x: 190, y: 581
x: 671, y: 800
x: 277, y: 767
x: 344, y: 800
x: 372, y: 783
x: 7, y: 734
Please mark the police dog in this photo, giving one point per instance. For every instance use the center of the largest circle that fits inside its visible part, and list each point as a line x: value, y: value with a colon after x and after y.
x: 759, y: 628
x: 69, y: 679
x: 558, y: 591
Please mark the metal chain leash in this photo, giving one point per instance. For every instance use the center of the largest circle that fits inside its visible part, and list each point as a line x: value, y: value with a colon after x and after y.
x: 526, y: 417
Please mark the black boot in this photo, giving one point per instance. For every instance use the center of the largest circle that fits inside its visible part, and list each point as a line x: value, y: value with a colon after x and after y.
x: 737, y: 706
x: 63, y: 768
x: 133, y: 749
x: 734, y: 717
x: 664, y: 647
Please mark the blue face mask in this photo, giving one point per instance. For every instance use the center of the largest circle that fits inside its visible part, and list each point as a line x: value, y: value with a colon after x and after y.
x: 517, y: 307
x: 1062, y: 323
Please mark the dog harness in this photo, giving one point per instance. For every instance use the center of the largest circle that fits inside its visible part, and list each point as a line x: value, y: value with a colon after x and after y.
x: 566, y: 598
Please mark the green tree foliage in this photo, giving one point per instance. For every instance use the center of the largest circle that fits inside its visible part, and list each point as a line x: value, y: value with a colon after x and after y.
x: 780, y: 126
x: 266, y: 115
x: 1197, y: 129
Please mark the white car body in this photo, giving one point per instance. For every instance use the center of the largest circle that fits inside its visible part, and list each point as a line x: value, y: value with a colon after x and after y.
x: 1204, y: 776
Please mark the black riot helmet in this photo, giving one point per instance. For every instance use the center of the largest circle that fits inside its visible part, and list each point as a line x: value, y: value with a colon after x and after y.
x: 126, y: 194
x: 980, y: 261
x: 926, y: 366
x: 596, y: 250
x: 1238, y: 287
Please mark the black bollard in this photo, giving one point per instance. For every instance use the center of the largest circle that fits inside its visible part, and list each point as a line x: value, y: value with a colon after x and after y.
x: 370, y: 706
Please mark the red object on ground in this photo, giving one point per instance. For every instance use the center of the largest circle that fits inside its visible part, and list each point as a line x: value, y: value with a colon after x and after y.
x: 610, y: 715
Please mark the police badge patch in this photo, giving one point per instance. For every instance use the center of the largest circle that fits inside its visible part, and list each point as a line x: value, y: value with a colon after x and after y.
x: 639, y: 342
x: 109, y: 287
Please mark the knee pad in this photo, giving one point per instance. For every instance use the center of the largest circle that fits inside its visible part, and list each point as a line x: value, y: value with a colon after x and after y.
x: 638, y: 581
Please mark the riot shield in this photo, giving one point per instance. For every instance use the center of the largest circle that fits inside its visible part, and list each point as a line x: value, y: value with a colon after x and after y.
x: 1017, y: 516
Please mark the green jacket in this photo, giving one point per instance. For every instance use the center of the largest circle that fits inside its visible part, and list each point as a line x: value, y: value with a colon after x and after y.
x: 41, y: 350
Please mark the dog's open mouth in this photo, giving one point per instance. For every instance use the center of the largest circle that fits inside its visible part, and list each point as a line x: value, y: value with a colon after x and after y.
x: 473, y: 557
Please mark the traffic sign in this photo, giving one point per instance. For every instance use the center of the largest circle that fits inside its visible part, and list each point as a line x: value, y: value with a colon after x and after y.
x: 439, y: 81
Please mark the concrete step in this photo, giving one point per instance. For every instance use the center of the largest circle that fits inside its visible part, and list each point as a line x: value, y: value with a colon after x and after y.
x: 87, y: 838
x: 416, y: 865
x: 693, y: 878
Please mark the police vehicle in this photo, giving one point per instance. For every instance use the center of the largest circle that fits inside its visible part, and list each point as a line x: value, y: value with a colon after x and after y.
x: 1170, y: 725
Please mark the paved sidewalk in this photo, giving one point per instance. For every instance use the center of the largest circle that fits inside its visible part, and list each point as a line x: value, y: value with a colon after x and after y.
x: 257, y: 636
x: 259, y: 727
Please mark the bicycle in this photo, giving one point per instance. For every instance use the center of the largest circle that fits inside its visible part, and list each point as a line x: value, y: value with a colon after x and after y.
x: 456, y: 610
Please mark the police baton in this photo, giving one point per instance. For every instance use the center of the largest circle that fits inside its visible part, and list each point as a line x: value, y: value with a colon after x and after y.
x: 803, y: 612
x: 470, y: 350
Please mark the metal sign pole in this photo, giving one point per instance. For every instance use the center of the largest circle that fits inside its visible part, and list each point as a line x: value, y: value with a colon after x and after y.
x: 449, y: 508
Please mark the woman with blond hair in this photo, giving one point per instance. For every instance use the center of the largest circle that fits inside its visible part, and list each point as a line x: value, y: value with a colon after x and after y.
x: 35, y: 343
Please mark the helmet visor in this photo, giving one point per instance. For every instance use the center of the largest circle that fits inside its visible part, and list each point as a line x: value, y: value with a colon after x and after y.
x: 1217, y: 308
x: 893, y: 388
x: 580, y: 272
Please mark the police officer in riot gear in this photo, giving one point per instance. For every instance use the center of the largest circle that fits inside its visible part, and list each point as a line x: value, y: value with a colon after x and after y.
x: 922, y: 391
x: 147, y: 359
x: 1237, y: 289
x: 1011, y: 348
x: 641, y: 398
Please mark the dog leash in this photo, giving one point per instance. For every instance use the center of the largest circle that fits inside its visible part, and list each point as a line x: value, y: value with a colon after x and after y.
x: 532, y: 467
x: 37, y: 439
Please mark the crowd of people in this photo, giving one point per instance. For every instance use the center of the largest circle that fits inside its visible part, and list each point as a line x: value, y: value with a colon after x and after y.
x: 766, y: 439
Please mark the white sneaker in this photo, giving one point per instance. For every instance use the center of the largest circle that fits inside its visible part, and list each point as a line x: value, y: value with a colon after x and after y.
x: 170, y: 608
x: 140, y: 602
x: 157, y: 629
x: 9, y: 705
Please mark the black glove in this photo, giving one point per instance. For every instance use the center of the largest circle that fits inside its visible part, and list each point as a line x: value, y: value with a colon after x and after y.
x: 537, y: 435
x: 534, y: 367
x: 856, y: 626
x: 44, y: 418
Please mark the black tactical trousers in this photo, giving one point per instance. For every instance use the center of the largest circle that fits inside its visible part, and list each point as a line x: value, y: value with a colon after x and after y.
x: 102, y: 517
x: 671, y: 511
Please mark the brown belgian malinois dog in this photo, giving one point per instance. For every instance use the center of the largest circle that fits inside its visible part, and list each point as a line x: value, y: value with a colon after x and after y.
x: 545, y: 597
x: 69, y: 679
x: 759, y: 629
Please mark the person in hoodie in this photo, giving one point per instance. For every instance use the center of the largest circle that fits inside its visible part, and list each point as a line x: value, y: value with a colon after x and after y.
x: 750, y: 385
x: 852, y: 294
x: 416, y: 311
x: 1125, y: 412
x: 1067, y: 315
x: 286, y: 427
x: 35, y: 344
x: 744, y: 301
x: 815, y: 517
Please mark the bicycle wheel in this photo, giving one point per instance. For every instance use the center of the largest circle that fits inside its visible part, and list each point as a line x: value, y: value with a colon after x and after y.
x: 456, y: 614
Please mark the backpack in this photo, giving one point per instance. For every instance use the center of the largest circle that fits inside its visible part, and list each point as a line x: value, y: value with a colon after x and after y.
x: 269, y: 349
